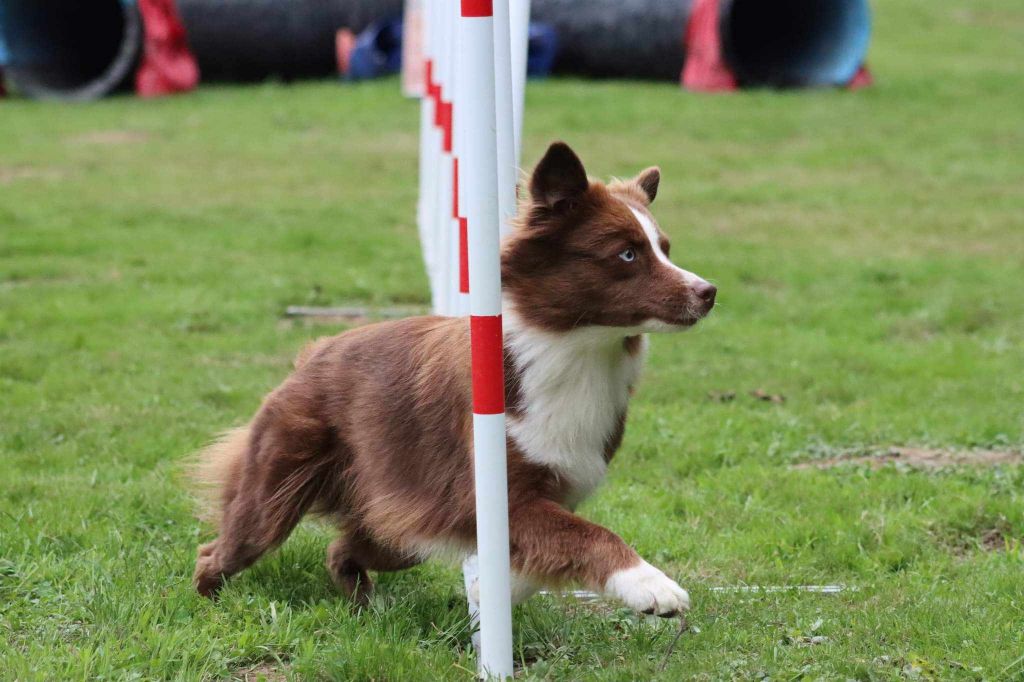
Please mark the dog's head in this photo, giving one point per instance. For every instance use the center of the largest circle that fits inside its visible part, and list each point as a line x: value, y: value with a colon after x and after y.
x: 589, y: 254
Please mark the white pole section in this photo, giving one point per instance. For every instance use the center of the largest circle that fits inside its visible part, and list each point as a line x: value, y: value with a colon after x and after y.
x: 507, y: 166
x: 519, y: 20
x: 442, y: 59
x: 423, y: 206
x: 455, y: 305
x: 470, y: 566
x: 426, y: 208
x: 439, y: 223
x: 458, y: 146
x: 506, y: 14
x: 481, y: 188
x: 413, y: 83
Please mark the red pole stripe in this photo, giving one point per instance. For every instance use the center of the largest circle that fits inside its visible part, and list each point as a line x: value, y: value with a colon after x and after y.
x: 477, y: 8
x: 455, y: 187
x: 463, y: 256
x: 431, y: 86
x: 446, y: 124
x: 433, y: 91
x: 488, y: 364
x: 439, y: 107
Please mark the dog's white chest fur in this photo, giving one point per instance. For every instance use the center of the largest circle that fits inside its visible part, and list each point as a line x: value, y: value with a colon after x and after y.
x: 575, y: 389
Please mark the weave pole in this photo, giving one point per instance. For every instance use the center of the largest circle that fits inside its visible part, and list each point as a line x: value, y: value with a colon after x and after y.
x: 444, y: 55
x: 480, y: 187
x: 504, y: 114
x: 459, y: 254
x: 441, y: 214
x: 519, y: 24
x: 429, y: 155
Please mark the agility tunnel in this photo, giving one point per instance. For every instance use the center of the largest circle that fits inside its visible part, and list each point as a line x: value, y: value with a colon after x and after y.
x: 82, y: 49
x: 247, y: 40
x: 763, y: 43
x: 67, y: 49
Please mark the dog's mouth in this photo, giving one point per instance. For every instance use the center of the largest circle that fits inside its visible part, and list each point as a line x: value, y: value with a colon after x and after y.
x: 689, y: 321
x: 661, y: 325
x: 698, y: 310
x: 697, y: 304
x: 688, y: 317
x: 696, y: 316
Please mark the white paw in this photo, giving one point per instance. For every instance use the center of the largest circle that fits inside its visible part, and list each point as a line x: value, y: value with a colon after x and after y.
x: 648, y: 590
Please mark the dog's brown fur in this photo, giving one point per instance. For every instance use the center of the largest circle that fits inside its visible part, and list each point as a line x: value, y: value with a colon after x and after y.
x: 373, y: 428
x: 316, y: 446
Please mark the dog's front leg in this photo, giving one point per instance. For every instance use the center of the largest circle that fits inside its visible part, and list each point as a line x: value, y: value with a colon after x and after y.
x: 552, y: 545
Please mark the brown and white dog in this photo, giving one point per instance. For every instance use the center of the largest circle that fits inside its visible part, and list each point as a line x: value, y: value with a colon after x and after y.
x: 373, y: 429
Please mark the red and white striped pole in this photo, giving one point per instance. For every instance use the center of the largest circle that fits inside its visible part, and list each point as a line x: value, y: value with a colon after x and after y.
x: 459, y: 199
x: 429, y: 154
x: 446, y: 229
x: 458, y: 269
x: 481, y: 201
x: 441, y: 211
x: 519, y: 24
x: 503, y: 96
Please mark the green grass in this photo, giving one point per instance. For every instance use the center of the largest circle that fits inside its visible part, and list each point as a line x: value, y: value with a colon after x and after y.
x: 869, y: 251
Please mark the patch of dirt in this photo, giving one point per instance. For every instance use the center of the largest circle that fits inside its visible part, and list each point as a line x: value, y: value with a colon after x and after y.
x: 986, y: 18
x: 928, y: 459
x: 996, y: 536
x: 264, y: 672
x: 767, y: 397
x: 283, y: 360
x: 110, y: 137
x: 349, y: 316
x: 12, y: 174
x: 756, y: 394
x: 993, y: 540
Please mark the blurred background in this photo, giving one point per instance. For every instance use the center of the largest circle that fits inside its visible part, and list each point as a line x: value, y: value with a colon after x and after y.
x: 175, y: 176
x: 84, y: 50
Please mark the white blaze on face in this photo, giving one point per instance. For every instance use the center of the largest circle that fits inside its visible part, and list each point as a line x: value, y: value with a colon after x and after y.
x: 689, y: 279
x: 651, y: 231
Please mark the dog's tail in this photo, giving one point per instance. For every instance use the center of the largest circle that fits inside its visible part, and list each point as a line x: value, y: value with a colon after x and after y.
x: 215, y: 472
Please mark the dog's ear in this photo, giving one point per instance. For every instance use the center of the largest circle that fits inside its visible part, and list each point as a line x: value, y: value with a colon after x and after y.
x: 559, y: 179
x: 648, y: 180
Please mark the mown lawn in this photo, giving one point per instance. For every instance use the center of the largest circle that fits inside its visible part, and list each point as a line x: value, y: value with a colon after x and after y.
x: 870, y: 256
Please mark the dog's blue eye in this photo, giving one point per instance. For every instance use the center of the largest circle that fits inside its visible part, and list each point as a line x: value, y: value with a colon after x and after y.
x: 629, y: 255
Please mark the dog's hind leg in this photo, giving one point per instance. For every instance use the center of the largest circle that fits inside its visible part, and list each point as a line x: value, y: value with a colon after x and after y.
x: 352, y: 554
x: 246, y: 536
x: 280, y: 478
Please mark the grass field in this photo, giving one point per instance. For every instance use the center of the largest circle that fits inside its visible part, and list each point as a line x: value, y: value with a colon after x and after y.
x: 869, y: 250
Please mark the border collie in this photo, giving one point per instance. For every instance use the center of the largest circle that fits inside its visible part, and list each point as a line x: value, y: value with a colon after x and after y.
x: 373, y: 428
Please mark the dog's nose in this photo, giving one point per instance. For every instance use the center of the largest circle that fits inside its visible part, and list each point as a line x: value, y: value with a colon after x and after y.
x: 706, y: 291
